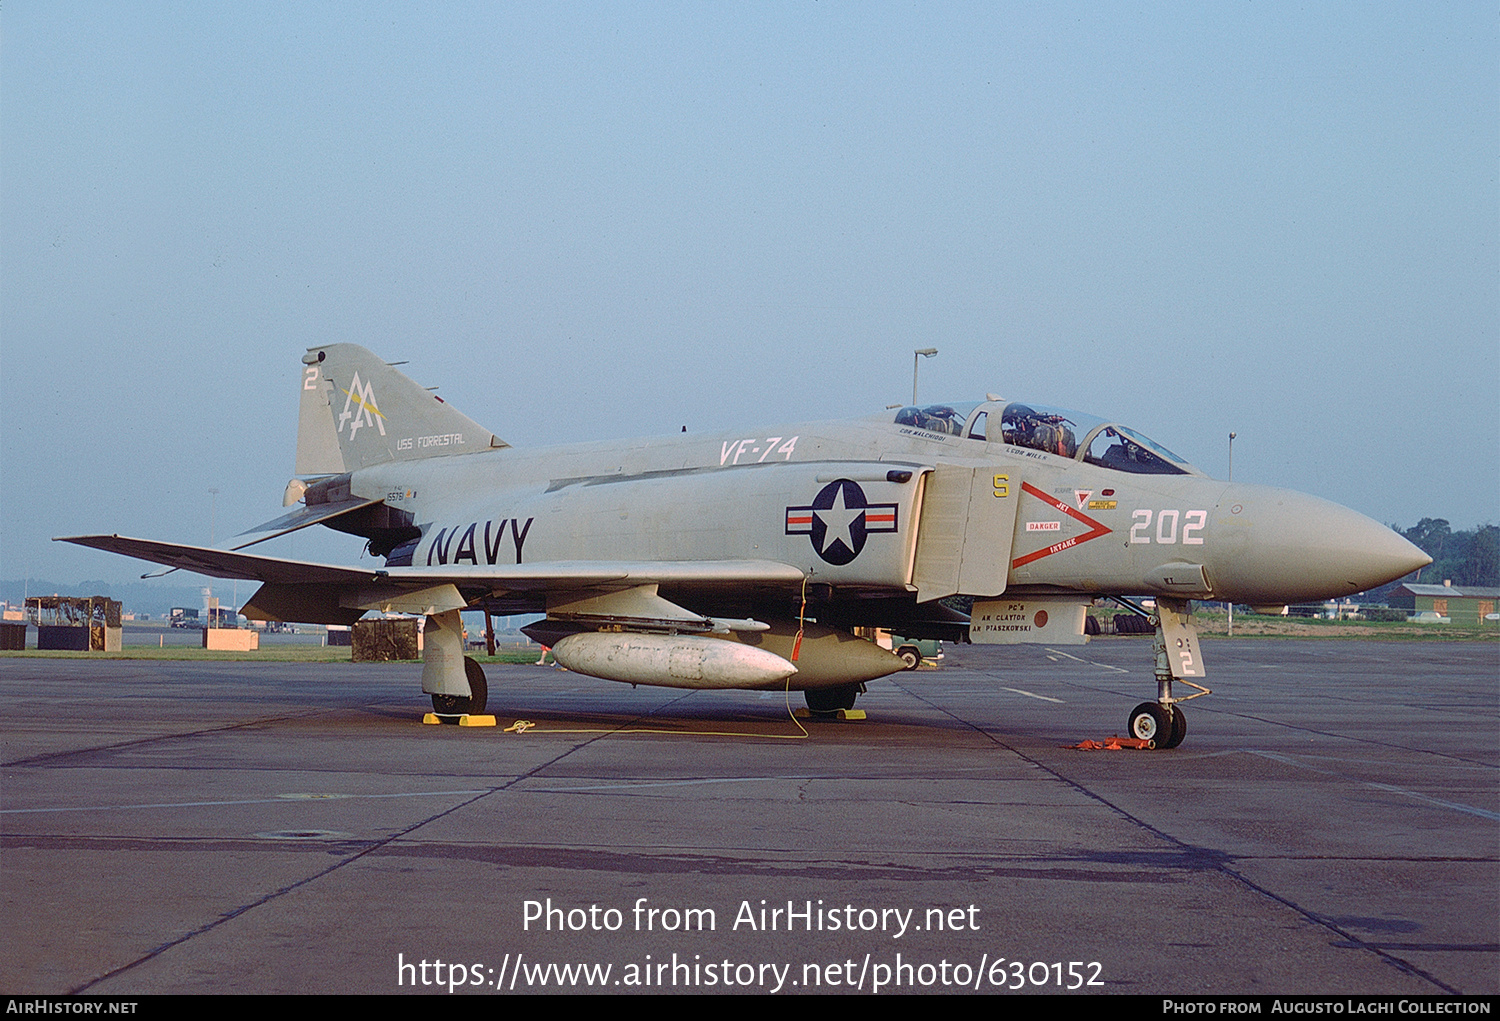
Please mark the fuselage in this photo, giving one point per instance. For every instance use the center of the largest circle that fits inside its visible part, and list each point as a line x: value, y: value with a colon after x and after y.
x: 766, y: 559
x: 876, y: 506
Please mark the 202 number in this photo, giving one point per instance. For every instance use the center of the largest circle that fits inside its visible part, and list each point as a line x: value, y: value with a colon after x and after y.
x: 1167, y: 530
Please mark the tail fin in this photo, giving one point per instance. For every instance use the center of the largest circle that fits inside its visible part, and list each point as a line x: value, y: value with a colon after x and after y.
x: 317, y: 444
x: 358, y: 411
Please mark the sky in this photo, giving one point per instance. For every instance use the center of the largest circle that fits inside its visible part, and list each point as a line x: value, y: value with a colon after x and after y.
x: 592, y: 221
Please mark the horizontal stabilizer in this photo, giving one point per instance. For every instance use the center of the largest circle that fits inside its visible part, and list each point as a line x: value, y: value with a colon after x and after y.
x: 316, y: 514
x: 301, y: 604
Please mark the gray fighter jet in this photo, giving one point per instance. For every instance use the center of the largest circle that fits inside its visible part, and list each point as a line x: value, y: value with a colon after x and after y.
x: 749, y: 561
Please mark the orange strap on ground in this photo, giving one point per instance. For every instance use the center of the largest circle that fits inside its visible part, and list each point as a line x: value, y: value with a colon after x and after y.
x: 1111, y: 744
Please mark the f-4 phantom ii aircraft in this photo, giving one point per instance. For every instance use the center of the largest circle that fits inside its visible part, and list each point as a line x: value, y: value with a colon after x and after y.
x: 748, y: 561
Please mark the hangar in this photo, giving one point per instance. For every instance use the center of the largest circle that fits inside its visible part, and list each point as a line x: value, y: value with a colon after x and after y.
x: 1463, y: 604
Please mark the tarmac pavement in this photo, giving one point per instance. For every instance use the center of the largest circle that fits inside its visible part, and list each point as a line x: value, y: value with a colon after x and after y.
x: 1330, y: 825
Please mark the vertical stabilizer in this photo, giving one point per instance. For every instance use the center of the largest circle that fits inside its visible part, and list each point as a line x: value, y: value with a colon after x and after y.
x: 374, y: 413
x: 317, y: 444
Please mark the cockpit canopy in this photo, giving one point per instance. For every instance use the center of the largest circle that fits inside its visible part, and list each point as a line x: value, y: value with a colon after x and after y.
x: 1057, y: 431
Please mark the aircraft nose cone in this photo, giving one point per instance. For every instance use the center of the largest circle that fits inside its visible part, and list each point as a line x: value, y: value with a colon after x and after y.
x: 1285, y: 547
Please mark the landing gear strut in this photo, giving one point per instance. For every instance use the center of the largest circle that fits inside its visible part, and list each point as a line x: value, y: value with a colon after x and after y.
x: 1178, y: 657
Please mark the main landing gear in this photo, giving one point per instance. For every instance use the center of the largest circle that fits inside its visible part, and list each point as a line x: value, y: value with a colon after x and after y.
x: 830, y: 700
x: 457, y: 705
x: 1177, y: 658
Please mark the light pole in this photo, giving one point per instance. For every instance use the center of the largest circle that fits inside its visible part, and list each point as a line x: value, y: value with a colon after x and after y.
x: 213, y: 506
x: 916, y: 359
x: 1231, y: 479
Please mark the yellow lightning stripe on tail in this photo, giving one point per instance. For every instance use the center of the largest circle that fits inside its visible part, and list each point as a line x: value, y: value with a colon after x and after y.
x: 364, y: 404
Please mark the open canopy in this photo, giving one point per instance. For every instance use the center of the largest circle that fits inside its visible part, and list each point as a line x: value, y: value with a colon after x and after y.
x: 1057, y: 431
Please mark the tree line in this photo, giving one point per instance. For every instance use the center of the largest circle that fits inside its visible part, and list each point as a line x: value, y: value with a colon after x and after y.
x: 1468, y: 557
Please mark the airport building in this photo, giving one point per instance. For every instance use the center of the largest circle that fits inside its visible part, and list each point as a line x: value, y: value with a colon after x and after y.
x: 1462, y: 604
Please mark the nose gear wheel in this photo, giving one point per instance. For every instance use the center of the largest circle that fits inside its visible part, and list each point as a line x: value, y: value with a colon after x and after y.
x: 1163, y: 725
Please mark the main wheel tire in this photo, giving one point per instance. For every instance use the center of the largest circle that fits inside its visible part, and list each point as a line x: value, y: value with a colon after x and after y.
x: 1152, y: 721
x: 910, y: 655
x: 831, y: 700
x: 1179, y: 728
x: 478, y: 686
x: 457, y: 705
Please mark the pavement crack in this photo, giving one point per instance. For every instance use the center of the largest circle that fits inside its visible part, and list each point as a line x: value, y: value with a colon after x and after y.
x: 53, y: 758
x: 1221, y: 861
x: 371, y: 848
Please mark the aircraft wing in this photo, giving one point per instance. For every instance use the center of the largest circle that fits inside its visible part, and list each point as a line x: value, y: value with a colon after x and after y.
x: 559, y: 574
x: 178, y: 557
x: 218, y: 563
x: 576, y: 574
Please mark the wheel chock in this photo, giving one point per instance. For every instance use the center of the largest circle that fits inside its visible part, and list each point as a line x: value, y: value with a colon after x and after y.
x: 1113, y: 744
x: 458, y: 720
x: 839, y: 714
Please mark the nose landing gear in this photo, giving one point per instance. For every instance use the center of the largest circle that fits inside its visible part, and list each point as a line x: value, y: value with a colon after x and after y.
x: 1177, y: 658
